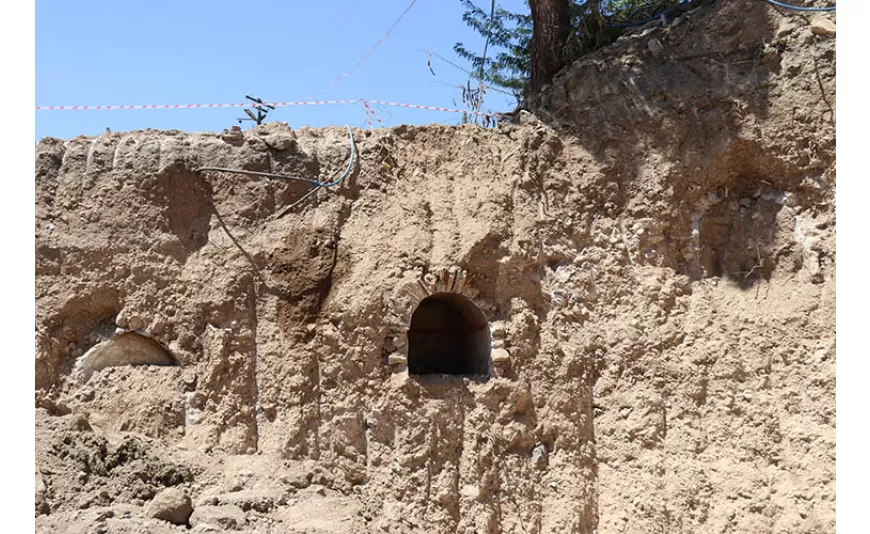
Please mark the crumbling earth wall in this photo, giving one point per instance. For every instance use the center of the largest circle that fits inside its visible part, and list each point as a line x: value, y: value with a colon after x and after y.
x: 653, y: 250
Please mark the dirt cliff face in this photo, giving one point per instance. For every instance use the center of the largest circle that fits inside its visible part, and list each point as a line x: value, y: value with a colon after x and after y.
x: 636, y: 283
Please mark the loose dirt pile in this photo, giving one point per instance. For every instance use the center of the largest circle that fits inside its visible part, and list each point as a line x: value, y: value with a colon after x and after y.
x: 646, y: 266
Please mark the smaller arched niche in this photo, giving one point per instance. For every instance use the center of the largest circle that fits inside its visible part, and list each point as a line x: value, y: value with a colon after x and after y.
x: 448, y: 335
x: 126, y: 348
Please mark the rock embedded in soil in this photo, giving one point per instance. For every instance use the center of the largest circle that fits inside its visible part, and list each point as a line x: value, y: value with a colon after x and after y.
x: 227, y: 516
x: 171, y: 504
x: 823, y: 26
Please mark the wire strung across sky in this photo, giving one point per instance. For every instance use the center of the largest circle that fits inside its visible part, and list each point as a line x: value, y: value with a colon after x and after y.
x: 369, y: 111
x: 366, y: 56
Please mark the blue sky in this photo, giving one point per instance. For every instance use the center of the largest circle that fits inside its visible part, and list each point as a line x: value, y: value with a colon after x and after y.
x: 96, y: 52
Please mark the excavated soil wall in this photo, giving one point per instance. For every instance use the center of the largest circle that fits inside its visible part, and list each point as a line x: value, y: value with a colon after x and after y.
x: 635, y: 283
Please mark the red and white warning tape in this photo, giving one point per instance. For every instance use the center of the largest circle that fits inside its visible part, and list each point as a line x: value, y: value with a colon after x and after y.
x: 433, y: 108
x: 371, y: 112
x: 194, y: 106
x: 276, y: 104
x: 369, y: 117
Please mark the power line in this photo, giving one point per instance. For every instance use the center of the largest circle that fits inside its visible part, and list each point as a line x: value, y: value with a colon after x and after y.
x: 488, y: 37
x: 466, y: 71
x: 369, y: 53
x: 328, y: 36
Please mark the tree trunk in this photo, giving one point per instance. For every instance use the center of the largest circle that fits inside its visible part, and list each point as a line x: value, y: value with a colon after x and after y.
x: 551, y: 25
